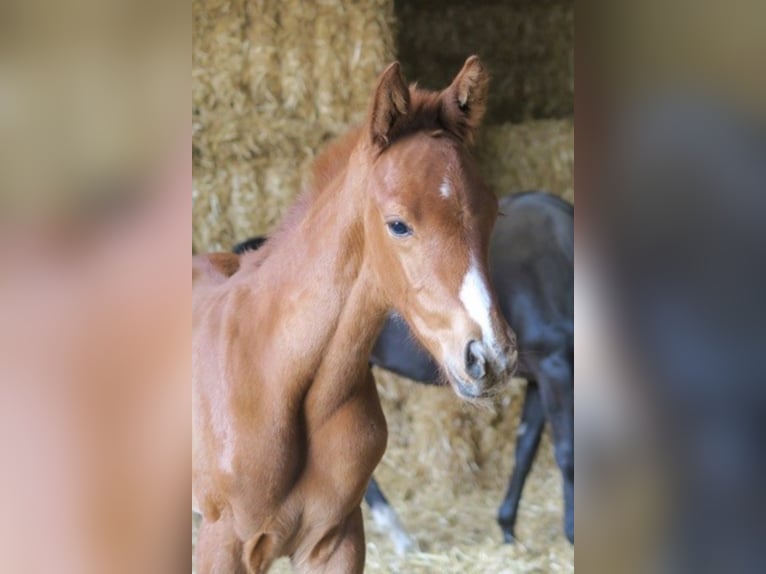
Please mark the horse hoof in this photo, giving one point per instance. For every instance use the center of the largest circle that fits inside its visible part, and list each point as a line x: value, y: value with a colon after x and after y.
x: 387, y: 521
x: 508, y: 537
x: 404, y: 544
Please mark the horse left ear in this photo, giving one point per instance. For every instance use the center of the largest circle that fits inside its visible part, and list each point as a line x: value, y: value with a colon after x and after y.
x: 465, y: 100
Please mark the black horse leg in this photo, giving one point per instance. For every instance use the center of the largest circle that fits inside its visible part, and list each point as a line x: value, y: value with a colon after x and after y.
x: 374, y: 496
x: 557, y: 391
x: 527, y: 441
x: 386, y: 518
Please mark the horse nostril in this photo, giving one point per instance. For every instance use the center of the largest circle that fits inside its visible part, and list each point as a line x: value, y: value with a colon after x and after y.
x: 475, y: 360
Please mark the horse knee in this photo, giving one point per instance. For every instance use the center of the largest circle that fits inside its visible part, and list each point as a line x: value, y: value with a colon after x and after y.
x: 341, y: 549
x: 259, y: 553
x: 505, y: 513
x: 218, y: 548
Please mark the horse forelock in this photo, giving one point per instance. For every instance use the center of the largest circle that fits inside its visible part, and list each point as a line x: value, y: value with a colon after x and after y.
x: 426, y: 114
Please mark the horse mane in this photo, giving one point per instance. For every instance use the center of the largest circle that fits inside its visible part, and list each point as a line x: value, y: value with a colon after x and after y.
x: 333, y: 159
x: 425, y: 114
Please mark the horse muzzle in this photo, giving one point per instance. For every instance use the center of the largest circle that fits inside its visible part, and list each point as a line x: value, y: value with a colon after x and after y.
x: 483, y: 370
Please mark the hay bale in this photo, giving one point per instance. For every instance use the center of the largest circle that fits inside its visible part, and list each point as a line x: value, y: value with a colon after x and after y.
x: 271, y: 82
x: 530, y: 155
x: 527, y: 45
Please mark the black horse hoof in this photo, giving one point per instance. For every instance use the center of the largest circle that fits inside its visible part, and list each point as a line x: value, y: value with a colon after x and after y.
x: 508, y: 537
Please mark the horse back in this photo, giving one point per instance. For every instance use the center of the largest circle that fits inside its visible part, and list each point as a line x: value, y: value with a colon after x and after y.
x: 532, y: 265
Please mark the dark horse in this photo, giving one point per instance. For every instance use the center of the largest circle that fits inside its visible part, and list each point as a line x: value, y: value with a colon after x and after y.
x: 531, y: 266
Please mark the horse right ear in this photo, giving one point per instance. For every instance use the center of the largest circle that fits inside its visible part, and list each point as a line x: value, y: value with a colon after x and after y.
x: 465, y: 100
x: 389, y: 106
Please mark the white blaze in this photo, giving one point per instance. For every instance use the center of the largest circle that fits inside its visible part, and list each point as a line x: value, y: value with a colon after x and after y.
x: 475, y: 297
x: 445, y: 188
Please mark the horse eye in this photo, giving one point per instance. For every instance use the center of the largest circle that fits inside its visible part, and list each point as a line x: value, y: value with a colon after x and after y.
x: 399, y: 228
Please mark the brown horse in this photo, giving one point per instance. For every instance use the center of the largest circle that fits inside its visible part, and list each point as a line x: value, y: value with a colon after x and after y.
x: 286, y: 418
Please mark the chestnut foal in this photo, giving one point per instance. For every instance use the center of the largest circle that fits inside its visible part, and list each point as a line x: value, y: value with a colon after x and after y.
x: 287, y: 425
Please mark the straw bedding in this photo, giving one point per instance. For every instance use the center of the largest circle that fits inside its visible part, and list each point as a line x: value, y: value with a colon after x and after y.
x: 446, y: 470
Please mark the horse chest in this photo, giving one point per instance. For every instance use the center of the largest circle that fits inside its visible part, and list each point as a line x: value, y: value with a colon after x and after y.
x: 308, y: 469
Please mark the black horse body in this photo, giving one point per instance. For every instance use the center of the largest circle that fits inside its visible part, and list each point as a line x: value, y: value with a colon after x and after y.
x: 532, y: 267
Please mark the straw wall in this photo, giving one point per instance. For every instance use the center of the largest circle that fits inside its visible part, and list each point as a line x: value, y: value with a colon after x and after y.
x: 272, y: 81
x: 530, y: 155
x: 528, y: 46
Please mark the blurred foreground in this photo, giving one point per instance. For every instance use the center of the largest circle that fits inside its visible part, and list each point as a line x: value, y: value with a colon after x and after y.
x: 95, y: 176
x: 670, y: 277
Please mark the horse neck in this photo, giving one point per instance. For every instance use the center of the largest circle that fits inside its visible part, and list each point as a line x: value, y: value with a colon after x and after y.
x: 318, y: 264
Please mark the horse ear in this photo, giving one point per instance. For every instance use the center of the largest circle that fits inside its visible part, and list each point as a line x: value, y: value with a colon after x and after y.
x: 389, y: 105
x: 465, y: 100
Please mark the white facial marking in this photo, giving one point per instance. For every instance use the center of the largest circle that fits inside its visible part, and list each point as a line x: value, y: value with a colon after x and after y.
x: 475, y: 297
x: 445, y: 188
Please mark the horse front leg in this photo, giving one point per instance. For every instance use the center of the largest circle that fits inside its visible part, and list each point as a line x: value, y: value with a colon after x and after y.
x: 218, y: 549
x: 343, y: 453
x: 341, y: 551
x: 555, y: 378
x: 527, y: 442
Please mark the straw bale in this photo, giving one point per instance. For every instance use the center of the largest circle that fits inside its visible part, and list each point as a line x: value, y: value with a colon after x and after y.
x: 253, y: 204
x: 272, y: 81
x: 527, y: 45
x: 529, y: 155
